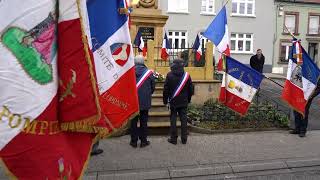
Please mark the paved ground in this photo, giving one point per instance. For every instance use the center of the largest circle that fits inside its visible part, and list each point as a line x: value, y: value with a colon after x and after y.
x: 272, y: 92
x: 245, y: 156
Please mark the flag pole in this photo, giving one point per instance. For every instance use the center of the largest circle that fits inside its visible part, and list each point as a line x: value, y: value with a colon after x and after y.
x: 290, y: 32
x: 226, y: 3
x: 273, y: 81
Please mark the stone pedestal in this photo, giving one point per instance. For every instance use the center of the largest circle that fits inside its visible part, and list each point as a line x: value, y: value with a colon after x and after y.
x: 149, y: 18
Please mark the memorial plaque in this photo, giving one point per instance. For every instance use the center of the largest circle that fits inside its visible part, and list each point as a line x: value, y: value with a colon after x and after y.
x: 147, y: 33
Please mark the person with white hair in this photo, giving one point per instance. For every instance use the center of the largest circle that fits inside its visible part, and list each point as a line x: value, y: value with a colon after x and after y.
x: 145, y: 87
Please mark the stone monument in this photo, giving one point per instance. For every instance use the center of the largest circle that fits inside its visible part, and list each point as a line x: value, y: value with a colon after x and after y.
x: 149, y: 19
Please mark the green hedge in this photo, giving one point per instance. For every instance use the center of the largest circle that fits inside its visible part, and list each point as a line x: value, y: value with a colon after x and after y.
x: 217, y: 116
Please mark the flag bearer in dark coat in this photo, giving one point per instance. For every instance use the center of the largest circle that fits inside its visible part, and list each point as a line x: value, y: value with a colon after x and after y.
x: 301, y: 123
x: 146, y: 86
x: 178, y: 90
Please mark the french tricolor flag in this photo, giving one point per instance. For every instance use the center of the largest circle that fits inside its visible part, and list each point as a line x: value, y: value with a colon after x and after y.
x: 139, y: 42
x: 302, y: 78
x: 217, y: 32
x: 239, y: 86
x: 113, y: 61
x: 165, y: 47
x: 197, y: 47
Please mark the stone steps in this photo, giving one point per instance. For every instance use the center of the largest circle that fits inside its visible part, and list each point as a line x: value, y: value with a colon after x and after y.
x: 159, y: 115
x: 158, y: 107
x: 158, y: 90
x: 157, y: 98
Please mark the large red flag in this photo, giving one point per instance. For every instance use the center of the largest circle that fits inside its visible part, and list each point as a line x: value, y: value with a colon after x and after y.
x: 79, y: 107
x: 32, y: 143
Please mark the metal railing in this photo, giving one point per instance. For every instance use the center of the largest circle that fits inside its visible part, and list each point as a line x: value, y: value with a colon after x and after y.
x: 187, y: 54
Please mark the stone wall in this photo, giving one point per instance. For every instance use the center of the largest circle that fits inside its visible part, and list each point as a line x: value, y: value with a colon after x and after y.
x: 205, y: 90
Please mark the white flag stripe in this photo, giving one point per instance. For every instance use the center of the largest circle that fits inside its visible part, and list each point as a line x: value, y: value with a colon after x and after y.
x: 308, y: 88
x: 239, y: 88
x: 291, y: 67
x: 27, y: 10
x: 103, y: 58
x: 23, y: 96
x: 141, y: 45
x: 164, y: 44
x: 68, y: 10
x: 223, y: 45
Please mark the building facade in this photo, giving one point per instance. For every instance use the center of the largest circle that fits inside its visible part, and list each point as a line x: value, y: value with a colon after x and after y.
x: 302, y: 18
x: 251, y: 25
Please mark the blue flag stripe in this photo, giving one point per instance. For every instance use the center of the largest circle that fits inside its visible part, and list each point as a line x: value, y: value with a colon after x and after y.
x: 196, y: 43
x: 137, y: 40
x: 168, y: 46
x: 217, y: 28
x: 310, y: 70
x: 104, y: 19
x: 244, y: 73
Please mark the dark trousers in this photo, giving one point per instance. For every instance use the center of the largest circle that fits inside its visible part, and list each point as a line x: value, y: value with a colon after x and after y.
x: 141, y: 132
x: 95, y: 146
x: 173, y: 123
x: 301, y: 124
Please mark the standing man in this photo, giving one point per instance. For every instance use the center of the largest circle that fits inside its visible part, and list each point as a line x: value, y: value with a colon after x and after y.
x: 257, y: 61
x: 301, y: 124
x: 145, y: 86
x: 177, y: 92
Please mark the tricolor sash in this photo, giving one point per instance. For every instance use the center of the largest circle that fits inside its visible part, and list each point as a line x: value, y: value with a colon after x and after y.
x: 181, y: 85
x: 146, y: 74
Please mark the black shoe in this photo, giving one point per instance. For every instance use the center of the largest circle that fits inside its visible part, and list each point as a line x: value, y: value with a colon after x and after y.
x: 133, y: 144
x: 294, y: 132
x: 184, y: 141
x: 144, y: 144
x: 302, y: 135
x: 172, y: 141
x: 96, y: 152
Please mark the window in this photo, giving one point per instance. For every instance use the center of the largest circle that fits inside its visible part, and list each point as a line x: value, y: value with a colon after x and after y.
x: 243, y: 7
x: 314, y: 21
x: 179, y: 6
x: 207, y: 7
x: 285, y: 49
x: 241, y: 43
x: 291, y: 22
x: 178, y: 39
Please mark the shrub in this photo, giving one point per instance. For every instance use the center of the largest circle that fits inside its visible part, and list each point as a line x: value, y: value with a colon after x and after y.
x: 218, y: 116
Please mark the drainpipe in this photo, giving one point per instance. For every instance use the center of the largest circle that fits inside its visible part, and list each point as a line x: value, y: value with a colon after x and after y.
x: 275, y: 37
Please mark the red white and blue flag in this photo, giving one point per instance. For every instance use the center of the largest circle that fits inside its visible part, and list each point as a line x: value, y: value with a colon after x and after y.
x: 239, y: 86
x: 165, y: 47
x: 47, y: 86
x: 197, y: 47
x: 218, y: 33
x: 139, y: 42
x: 113, y: 60
x: 302, y: 78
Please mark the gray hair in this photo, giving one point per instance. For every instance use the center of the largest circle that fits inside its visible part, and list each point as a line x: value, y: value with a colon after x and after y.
x: 139, y: 59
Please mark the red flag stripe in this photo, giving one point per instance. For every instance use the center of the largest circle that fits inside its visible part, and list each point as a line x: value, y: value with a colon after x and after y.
x: 294, y: 96
x: 234, y: 102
